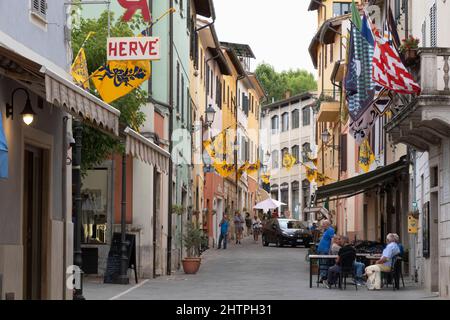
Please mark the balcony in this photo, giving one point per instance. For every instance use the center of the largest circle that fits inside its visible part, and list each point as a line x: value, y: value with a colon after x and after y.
x: 329, y: 111
x: 423, y: 121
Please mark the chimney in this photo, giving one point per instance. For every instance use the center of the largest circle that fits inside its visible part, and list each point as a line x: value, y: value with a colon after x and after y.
x: 287, y: 95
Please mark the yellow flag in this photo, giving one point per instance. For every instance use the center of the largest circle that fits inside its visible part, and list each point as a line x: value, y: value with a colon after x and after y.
x: 80, y: 71
x: 265, y: 178
x: 254, y: 167
x: 118, y: 78
x: 220, y: 143
x: 288, y: 161
x: 366, y: 156
x: 223, y: 168
x: 242, y: 169
x: 311, y: 174
x: 207, y: 146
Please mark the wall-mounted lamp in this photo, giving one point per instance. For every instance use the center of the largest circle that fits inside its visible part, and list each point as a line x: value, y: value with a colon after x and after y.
x: 210, y: 114
x: 326, y: 139
x: 27, y: 113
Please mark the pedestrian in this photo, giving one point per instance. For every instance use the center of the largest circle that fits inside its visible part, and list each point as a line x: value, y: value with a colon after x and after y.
x: 224, y: 225
x: 248, y: 223
x: 238, y: 226
x: 256, y: 225
x: 324, y: 247
x: 373, y: 272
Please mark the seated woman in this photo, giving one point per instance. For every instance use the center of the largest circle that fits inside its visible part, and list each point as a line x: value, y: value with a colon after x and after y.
x: 383, y: 265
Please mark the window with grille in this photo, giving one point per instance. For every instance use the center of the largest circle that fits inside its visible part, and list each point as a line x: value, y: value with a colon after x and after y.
x: 433, y: 26
x: 39, y: 7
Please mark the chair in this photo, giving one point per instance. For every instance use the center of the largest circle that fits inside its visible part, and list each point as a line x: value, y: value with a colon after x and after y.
x: 324, y: 265
x: 347, y: 269
x: 395, y: 274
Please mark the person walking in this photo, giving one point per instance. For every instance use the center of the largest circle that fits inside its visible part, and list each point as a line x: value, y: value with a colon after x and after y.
x: 256, y: 226
x: 248, y: 223
x: 238, y: 226
x: 224, y: 225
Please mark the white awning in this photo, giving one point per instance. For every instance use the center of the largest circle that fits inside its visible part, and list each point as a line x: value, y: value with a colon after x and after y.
x: 61, y: 92
x: 142, y: 148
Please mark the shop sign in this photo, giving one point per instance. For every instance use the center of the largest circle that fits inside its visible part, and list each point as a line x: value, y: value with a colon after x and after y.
x: 131, y: 6
x: 133, y: 48
x: 412, y: 224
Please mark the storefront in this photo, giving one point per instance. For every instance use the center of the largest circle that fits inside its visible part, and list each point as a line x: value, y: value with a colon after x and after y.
x: 36, y: 233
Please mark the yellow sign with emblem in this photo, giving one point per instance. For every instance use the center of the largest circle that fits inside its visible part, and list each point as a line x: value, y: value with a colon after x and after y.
x: 413, y: 224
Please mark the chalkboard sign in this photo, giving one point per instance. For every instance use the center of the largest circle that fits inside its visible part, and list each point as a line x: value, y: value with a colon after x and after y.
x: 114, y: 257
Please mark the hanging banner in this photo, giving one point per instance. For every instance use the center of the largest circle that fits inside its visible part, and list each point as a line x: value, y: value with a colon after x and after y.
x: 133, y: 48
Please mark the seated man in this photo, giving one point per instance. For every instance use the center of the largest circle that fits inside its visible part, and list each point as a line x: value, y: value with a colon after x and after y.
x: 346, y: 256
x: 383, y: 265
x: 335, y: 244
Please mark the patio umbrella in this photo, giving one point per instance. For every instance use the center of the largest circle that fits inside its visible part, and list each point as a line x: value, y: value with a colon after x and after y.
x: 268, y: 204
x: 3, y: 152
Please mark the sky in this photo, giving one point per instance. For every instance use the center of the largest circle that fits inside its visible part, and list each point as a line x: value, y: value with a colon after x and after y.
x: 279, y: 32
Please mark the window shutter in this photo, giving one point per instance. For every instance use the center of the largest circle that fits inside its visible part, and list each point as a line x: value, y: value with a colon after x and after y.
x: 39, y: 7
x: 343, y: 147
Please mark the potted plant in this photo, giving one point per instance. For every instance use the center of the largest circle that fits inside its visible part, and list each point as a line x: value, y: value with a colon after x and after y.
x: 177, y: 209
x: 192, y: 242
x: 409, y: 48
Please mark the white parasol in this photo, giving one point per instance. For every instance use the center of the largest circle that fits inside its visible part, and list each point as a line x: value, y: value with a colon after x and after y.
x: 268, y: 204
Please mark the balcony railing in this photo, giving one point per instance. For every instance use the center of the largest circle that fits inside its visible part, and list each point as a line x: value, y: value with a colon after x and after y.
x: 434, y: 71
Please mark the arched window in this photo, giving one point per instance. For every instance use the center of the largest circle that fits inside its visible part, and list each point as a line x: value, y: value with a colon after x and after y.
x: 284, y: 151
x: 306, y: 116
x: 306, y: 150
x: 295, y: 199
x: 274, y: 124
x: 285, y: 122
x: 275, y: 159
x: 274, y: 191
x: 295, y: 119
x: 296, y: 153
x: 284, y: 188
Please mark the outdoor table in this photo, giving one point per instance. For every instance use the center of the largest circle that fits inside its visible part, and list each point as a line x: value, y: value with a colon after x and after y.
x: 373, y: 258
x: 316, y: 257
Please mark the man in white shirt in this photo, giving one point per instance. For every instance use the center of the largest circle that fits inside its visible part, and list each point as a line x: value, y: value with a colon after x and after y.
x: 383, y: 265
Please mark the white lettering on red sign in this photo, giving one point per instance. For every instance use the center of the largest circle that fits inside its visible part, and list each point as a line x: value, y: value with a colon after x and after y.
x: 133, y: 48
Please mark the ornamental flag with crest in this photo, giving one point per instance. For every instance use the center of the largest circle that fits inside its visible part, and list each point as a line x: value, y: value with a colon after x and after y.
x: 366, y: 156
x: 388, y: 69
x: 118, y: 78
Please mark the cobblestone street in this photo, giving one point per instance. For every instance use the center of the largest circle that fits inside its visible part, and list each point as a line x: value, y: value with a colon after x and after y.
x: 248, y: 271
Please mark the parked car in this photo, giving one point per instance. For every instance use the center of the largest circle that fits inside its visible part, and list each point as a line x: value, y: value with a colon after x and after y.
x: 286, y: 231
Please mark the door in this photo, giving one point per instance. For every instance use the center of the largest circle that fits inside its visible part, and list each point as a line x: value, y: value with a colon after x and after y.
x: 434, y: 240
x: 33, y: 222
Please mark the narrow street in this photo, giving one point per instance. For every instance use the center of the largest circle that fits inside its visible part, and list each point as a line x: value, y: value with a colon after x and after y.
x: 244, y: 272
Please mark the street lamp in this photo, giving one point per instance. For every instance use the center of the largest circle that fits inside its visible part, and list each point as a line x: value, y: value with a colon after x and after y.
x: 27, y: 113
x: 210, y: 114
x: 326, y: 139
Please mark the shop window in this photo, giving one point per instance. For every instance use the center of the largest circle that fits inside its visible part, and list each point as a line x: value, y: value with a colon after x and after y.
x: 94, y: 207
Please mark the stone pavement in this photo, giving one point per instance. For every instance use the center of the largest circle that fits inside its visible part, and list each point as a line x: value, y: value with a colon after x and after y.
x: 245, y: 272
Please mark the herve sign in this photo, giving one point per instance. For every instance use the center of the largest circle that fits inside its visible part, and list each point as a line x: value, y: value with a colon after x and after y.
x: 133, y: 48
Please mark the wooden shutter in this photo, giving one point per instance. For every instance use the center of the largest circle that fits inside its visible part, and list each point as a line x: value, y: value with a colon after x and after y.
x: 343, y: 150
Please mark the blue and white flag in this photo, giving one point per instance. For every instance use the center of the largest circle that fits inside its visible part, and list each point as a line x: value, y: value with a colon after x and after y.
x: 3, y: 152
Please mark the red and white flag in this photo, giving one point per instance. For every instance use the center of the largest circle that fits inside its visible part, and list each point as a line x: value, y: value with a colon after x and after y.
x: 388, y: 69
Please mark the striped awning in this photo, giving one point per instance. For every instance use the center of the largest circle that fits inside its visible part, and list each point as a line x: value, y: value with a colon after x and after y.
x: 61, y: 92
x: 142, y: 148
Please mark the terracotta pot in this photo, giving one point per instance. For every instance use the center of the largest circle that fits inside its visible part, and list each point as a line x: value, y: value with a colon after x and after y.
x: 191, y: 265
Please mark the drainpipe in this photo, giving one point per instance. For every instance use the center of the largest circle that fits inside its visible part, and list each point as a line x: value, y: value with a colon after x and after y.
x: 169, y: 191
x: 236, y: 140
